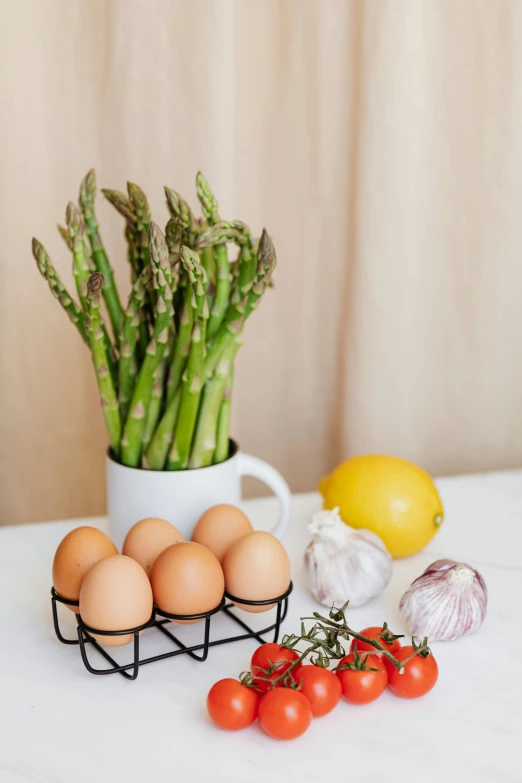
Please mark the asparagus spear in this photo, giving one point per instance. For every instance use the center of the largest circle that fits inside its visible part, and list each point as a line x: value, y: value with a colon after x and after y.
x: 223, y: 423
x: 82, y: 266
x: 109, y: 400
x: 101, y: 262
x: 128, y: 339
x: 64, y: 233
x: 210, y: 210
x: 205, y: 438
x: 247, y: 270
x: 141, y: 211
x: 134, y: 426
x: 58, y: 290
x: 132, y: 253
x: 179, y: 208
x: 156, y: 454
x: 266, y: 263
x: 154, y: 409
x: 223, y: 231
x: 174, y: 237
x: 192, y: 378
x: 182, y: 345
x: 163, y: 437
x: 237, y: 313
x: 121, y: 204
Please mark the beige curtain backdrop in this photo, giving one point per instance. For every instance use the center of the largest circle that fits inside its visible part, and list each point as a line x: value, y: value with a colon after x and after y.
x: 381, y: 144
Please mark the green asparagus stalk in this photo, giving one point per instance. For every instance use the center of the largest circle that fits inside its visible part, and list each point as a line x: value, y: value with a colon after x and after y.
x: 224, y: 417
x: 247, y: 270
x: 237, y: 313
x: 154, y: 409
x: 210, y: 210
x: 163, y: 437
x: 174, y: 237
x: 209, y: 265
x: 82, y: 266
x: 101, y: 262
x: 192, y: 379
x: 121, y: 204
x: 182, y: 346
x: 179, y: 208
x: 109, y: 400
x: 205, y: 438
x: 223, y: 231
x: 156, y: 454
x: 266, y: 263
x: 58, y: 290
x: 127, y: 365
x: 132, y: 254
x: 141, y: 211
x: 132, y: 438
x: 208, y: 201
x: 64, y: 233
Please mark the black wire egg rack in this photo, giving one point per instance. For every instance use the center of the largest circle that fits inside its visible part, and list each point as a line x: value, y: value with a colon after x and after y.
x: 161, y: 620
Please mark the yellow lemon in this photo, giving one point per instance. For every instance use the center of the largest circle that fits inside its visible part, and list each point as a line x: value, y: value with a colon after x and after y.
x: 388, y: 495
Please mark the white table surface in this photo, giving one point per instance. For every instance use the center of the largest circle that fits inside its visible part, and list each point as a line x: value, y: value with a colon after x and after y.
x: 59, y: 724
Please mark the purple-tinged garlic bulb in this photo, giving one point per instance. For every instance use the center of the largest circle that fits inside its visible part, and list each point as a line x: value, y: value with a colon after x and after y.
x: 343, y: 564
x: 449, y: 600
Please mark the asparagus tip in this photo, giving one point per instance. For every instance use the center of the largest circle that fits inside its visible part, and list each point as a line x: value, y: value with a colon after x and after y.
x: 95, y: 284
x: 88, y: 188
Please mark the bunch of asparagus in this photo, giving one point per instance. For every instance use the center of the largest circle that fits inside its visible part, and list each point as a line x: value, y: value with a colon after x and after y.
x: 165, y: 366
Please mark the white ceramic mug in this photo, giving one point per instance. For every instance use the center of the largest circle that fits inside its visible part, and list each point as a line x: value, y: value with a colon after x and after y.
x: 182, y: 496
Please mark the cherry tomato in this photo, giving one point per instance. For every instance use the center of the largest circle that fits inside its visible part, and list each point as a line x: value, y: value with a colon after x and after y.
x: 321, y: 687
x: 268, y: 654
x: 418, y: 677
x: 284, y: 713
x: 232, y: 705
x: 362, y: 686
x: 372, y: 633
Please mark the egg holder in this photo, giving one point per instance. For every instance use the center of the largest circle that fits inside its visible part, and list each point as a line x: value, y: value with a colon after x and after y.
x: 199, y: 652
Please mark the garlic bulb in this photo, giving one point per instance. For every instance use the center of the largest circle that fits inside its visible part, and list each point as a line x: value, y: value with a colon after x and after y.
x: 449, y: 600
x: 342, y: 563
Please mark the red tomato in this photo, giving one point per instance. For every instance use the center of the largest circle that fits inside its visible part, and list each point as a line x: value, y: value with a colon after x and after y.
x: 232, y: 705
x: 268, y: 654
x: 321, y: 687
x: 284, y: 713
x: 362, y: 686
x: 418, y: 676
x: 372, y: 633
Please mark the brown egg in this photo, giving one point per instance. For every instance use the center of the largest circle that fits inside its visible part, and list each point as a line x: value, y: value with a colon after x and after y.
x: 187, y: 579
x: 147, y: 539
x: 76, y: 554
x: 220, y: 527
x: 256, y: 568
x: 115, y: 595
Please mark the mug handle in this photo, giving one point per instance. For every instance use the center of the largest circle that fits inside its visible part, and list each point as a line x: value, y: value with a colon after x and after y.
x: 259, y: 469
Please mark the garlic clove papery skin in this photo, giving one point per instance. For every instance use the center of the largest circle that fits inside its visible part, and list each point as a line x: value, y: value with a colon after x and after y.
x: 447, y: 601
x: 343, y: 564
